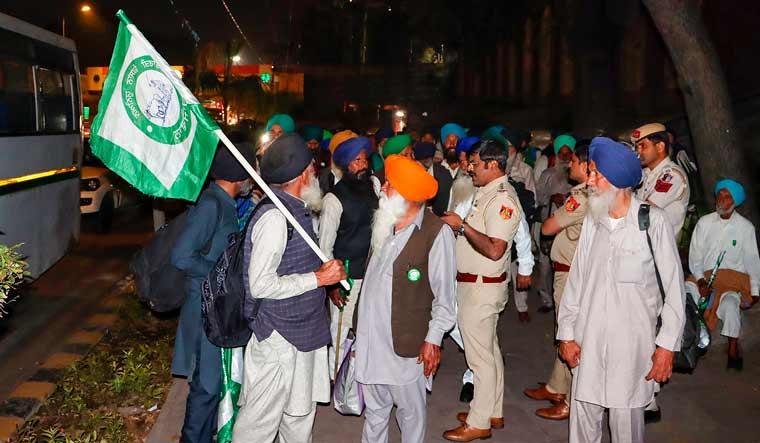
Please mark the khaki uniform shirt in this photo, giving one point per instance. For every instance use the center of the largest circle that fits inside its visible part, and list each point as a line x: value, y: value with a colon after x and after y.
x: 667, y: 187
x: 570, y: 218
x: 496, y: 212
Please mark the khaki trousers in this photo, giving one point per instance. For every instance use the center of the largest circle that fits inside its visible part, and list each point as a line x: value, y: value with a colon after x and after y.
x: 561, y: 379
x: 479, y: 308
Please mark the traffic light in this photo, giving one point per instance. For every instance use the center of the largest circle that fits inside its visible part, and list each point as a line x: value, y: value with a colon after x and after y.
x: 266, y: 77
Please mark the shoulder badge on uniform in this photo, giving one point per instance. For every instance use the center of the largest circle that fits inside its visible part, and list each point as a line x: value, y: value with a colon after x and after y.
x: 506, y: 212
x: 663, y: 186
x: 571, y: 204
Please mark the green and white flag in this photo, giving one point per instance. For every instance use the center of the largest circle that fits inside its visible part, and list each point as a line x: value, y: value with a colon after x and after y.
x: 150, y: 129
x: 232, y: 379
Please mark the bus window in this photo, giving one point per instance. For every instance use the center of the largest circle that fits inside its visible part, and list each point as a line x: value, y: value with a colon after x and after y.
x: 55, y: 97
x: 17, y: 112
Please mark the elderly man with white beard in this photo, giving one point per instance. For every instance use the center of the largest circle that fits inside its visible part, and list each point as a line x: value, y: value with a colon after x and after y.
x: 286, y: 370
x: 406, y: 304
x: 608, y: 315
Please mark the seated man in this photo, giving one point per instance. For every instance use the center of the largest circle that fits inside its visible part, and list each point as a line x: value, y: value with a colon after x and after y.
x: 724, y: 240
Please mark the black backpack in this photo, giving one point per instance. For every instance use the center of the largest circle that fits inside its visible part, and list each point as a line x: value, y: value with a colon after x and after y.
x: 685, y: 360
x: 160, y: 284
x: 224, y: 293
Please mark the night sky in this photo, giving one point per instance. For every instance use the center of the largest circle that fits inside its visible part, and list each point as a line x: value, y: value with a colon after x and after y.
x: 265, y: 22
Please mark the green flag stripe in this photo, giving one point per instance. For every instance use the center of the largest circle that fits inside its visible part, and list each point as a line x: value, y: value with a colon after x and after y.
x: 187, y: 186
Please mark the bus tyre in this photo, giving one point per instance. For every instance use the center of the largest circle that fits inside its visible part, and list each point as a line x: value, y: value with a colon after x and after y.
x: 105, y: 215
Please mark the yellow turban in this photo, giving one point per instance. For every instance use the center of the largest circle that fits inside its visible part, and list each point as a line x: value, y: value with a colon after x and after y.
x: 339, y: 138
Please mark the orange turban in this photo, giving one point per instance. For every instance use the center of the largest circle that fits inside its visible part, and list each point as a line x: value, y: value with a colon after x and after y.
x: 339, y: 138
x: 410, y: 179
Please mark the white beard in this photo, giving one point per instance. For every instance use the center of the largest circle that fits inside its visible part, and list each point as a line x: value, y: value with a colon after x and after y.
x: 462, y: 193
x: 312, y: 195
x: 389, y: 212
x: 599, y: 204
x: 723, y: 212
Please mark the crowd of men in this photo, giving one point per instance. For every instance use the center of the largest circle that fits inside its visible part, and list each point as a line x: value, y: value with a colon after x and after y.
x: 431, y: 230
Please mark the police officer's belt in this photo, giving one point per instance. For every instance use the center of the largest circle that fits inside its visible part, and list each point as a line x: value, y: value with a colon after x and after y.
x: 472, y: 278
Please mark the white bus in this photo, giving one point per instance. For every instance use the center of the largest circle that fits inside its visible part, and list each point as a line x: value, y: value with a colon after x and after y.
x: 40, y: 142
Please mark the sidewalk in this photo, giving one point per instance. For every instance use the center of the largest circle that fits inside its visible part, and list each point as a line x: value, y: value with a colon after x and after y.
x: 709, y: 406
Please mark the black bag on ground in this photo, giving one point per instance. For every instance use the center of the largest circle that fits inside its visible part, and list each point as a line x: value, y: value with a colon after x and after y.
x: 224, y: 293
x: 685, y: 360
x: 160, y: 284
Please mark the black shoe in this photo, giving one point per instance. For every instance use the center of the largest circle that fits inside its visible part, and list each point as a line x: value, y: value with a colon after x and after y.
x: 736, y: 364
x: 468, y: 390
x: 652, y: 416
x: 545, y: 309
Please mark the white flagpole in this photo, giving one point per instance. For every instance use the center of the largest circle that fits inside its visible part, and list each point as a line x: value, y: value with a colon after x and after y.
x: 268, y: 191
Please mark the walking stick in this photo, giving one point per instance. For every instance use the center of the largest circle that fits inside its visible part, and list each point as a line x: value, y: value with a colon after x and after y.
x: 337, y: 344
x: 344, y: 295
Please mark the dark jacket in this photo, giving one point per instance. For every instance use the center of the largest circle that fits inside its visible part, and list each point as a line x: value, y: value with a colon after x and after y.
x: 210, y: 222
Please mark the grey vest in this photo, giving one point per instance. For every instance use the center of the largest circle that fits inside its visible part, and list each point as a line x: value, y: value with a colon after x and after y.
x: 302, y: 320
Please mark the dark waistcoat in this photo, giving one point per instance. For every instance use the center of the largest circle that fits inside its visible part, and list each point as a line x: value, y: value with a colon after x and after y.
x: 355, y: 229
x: 302, y: 320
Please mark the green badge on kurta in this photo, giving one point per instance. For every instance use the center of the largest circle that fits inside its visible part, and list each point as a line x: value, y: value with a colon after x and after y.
x: 413, y: 275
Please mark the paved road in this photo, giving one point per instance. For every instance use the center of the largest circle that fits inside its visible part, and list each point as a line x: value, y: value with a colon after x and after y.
x: 709, y: 406
x: 54, y: 305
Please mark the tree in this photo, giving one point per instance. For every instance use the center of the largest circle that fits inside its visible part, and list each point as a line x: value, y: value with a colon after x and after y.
x: 708, y: 105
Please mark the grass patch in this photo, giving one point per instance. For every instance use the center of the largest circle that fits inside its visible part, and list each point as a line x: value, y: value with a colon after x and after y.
x: 106, y: 396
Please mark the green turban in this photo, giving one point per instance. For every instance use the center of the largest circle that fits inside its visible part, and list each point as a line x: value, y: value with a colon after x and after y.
x: 284, y: 120
x: 376, y: 161
x: 312, y: 132
x: 564, y: 140
x: 396, y: 144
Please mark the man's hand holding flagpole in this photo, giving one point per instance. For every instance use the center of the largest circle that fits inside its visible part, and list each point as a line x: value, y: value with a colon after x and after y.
x: 268, y: 191
x: 153, y: 132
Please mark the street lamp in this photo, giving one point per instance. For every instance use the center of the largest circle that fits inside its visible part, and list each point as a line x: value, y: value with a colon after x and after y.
x: 236, y: 59
x: 84, y: 8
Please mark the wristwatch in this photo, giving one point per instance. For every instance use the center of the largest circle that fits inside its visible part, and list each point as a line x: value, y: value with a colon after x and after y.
x: 460, y: 231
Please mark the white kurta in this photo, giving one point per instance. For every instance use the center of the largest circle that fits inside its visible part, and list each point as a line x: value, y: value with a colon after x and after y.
x: 522, y: 172
x: 735, y: 236
x: 311, y: 382
x: 611, y: 303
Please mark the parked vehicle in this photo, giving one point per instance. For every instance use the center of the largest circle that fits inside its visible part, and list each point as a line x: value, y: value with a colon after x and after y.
x: 41, y: 142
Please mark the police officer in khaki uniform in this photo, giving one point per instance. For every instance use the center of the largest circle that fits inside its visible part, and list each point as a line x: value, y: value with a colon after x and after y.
x: 483, y: 245
x: 665, y: 184
x: 565, y: 223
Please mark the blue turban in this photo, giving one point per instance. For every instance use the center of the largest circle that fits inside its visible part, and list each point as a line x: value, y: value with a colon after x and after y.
x: 564, y: 140
x: 383, y: 133
x: 312, y: 132
x: 325, y: 144
x: 347, y: 151
x: 618, y: 164
x: 452, y: 128
x: 423, y: 150
x: 466, y: 143
x: 734, y: 188
x: 284, y: 120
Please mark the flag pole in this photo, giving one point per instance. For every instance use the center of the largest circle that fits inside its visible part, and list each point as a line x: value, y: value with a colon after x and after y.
x: 277, y: 202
